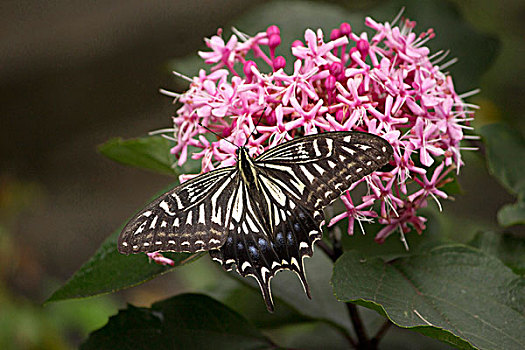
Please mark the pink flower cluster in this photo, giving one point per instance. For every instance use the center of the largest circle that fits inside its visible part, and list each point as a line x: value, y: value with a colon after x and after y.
x: 388, y: 85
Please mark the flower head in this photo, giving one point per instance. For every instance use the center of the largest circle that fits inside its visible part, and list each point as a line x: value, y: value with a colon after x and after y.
x: 386, y: 84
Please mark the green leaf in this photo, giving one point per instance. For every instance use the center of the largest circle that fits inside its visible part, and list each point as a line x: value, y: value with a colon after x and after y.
x: 506, y: 162
x: 287, y: 290
x: 187, y: 321
x: 151, y: 153
x: 453, y: 293
x: 512, y: 214
x: 505, y: 246
x: 109, y: 271
x: 248, y: 302
x: 505, y: 156
x: 453, y: 187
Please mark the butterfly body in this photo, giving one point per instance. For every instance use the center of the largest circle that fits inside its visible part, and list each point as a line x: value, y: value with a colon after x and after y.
x: 262, y: 215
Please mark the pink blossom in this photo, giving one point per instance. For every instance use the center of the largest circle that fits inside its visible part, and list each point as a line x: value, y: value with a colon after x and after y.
x: 386, y: 85
x: 354, y: 213
x: 160, y: 259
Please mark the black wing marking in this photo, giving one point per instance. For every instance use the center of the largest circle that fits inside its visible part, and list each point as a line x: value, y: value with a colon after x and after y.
x: 317, y: 169
x: 190, y: 218
x: 259, y: 252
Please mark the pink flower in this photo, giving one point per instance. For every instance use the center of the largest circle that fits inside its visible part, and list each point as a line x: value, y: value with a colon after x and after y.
x: 386, y: 85
x: 430, y: 187
x: 354, y: 213
x: 160, y: 259
x: 221, y: 52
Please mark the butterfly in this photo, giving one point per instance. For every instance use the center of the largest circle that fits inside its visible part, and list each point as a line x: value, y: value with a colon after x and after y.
x: 265, y: 213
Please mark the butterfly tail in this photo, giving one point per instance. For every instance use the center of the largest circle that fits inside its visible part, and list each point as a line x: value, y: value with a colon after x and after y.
x: 266, y: 292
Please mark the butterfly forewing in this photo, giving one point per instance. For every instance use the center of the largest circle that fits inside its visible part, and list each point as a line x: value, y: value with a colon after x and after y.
x: 317, y: 169
x: 190, y: 218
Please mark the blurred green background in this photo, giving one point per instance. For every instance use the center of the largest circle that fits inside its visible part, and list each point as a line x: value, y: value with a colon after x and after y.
x: 74, y: 74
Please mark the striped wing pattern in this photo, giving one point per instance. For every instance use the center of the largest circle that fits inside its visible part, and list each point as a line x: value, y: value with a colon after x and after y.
x: 261, y: 250
x: 189, y: 218
x: 317, y: 169
x: 262, y: 223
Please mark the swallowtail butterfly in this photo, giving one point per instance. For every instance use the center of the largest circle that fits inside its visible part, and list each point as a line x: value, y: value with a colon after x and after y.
x: 262, y: 215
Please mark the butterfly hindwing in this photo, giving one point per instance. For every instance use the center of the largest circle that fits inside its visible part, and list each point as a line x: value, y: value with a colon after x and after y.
x: 260, y: 251
x: 190, y: 218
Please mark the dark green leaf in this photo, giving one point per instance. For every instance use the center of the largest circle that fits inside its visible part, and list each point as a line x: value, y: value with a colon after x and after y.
x: 109, y: 271
x: 505, y: 156
x: 506, y: 162
x: 309, y: 336
x: 151, y: 153
x: 323, y: 306
x: 512, y: 214
x: 505, y: 246
x: 365, y: 243
x: 247, y: 301
x: 453, y: 187
x: 453, y: 293
x: 187, y: 321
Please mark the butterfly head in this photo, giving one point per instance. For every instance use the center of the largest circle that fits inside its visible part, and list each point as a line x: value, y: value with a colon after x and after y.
x: 242, y: 153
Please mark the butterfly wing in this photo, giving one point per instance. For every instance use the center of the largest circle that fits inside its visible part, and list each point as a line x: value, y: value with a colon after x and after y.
x: 275, y: 226
x: 190, y: 218
x: 260, y: 251
x: 262, y: 229
x: 317, y: 169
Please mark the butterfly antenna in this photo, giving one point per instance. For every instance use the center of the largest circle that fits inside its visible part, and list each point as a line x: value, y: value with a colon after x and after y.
x: 219, y: 136
x: 254, y: 129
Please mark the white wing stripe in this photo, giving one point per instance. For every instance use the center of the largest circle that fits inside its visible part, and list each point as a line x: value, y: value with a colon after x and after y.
x: 276, y: 215
x: 216, y: 195
x: 297, y: 183
x: 319, y: 169
x: 316, y: 148
x: 349, y: 150
x: 228, y: 209
x: 280, y: 183
x: 201, y: 214
x: 238, y: 206
x: 275, y: 191
x: 252, y: 225
x: 308, y: 174
x: 330, y: 145
x: 164, y: 206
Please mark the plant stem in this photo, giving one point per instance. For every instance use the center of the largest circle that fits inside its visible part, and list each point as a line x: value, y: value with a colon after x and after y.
x: 362, y: 338
x: 374, y: 342
x: 334, y: 253
x: 326, y: 249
